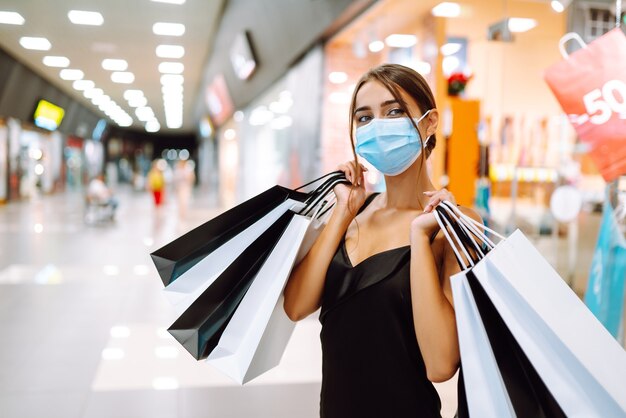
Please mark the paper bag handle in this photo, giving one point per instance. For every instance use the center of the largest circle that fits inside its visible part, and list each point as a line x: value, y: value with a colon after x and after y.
x: 570, y: 36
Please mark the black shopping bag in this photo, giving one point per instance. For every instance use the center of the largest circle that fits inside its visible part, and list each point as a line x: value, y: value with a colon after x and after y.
x: 177, y: 257
x: 528, y: 394
x: 180, y: 255
x: 200, y: 327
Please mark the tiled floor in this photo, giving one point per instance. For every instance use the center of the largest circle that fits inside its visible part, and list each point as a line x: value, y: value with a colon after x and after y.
x: 82, y: 320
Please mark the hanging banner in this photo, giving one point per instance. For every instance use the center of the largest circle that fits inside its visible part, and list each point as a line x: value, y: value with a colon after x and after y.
x: 590, y: 85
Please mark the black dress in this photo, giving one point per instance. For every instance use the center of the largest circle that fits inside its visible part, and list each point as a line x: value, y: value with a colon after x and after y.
x: 372, y: 365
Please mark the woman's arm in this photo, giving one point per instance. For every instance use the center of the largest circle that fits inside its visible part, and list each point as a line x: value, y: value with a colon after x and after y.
x: 303, y: 292
x: 304, y: 288
x: 433, y: 313
x: 431, y: 294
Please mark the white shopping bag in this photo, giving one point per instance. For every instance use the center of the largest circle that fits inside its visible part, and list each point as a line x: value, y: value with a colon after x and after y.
x: 486, y: 392
x: 256, y: 336
x: 191, y: 284
x: 579, y: 361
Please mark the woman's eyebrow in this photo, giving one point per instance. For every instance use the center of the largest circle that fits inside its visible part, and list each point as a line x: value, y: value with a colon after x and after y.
x: 383, y: 104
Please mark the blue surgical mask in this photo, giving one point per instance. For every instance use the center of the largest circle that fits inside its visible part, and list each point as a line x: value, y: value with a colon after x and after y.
x: 390, y: 145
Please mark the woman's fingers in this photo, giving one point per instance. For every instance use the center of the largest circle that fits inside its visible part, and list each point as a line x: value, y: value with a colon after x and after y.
x: 436, y: 197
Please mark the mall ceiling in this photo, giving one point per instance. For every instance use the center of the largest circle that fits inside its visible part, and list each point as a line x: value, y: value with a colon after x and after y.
x: 127, y: 32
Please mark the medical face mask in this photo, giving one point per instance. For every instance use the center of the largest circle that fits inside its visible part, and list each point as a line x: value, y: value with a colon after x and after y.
x: 390, y: 145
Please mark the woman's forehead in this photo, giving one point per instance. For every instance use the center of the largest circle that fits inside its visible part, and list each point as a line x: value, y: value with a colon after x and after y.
x: 373, y: 93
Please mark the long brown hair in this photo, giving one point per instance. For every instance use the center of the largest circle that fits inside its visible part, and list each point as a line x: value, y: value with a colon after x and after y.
x: 397, y: 77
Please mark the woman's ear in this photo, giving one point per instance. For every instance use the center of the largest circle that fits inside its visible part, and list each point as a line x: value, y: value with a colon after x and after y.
x: 433, y: 122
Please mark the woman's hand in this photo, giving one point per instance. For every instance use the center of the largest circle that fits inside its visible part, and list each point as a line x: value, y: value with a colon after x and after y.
x: 351, y: 198
x: 425, y: 223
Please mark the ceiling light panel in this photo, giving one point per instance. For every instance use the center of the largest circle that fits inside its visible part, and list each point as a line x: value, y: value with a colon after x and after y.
x: 81, y: 85
x: 171, y: 67
x: 170, y: 1
x: 168, y: 29
x: 130, y: 94
x: 122, y: 77
x: 81, y: 17
x: 398, y: 40
x: 35, y: 43
x: 11, y: 18
x: 447, y: 9
x: 170, y: 51
x: 114, y: 64
x: 71, y: 74
x: 56, y: 61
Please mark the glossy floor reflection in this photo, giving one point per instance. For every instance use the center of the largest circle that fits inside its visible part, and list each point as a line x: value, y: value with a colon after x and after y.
x: 83, y: 319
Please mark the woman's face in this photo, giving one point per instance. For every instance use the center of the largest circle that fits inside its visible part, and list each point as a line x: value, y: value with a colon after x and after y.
x: 374, y: 101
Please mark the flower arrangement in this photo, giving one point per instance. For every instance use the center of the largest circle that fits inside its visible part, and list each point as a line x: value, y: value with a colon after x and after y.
x: 457, y: 83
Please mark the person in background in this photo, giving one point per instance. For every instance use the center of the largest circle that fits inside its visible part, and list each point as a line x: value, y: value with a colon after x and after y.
x: 100, y: 195
x: 184, y: 179
x: 380, y: 270
x: 156, y: 182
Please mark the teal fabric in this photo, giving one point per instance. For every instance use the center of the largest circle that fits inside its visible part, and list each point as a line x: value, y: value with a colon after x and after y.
x: 605, y: 290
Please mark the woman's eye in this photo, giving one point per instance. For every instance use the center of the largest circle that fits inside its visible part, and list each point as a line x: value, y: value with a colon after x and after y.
x: 395, y: 112
x: 364, y: 119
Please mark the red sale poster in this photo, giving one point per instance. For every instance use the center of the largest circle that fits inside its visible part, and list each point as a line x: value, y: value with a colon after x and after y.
x: 590, y: 85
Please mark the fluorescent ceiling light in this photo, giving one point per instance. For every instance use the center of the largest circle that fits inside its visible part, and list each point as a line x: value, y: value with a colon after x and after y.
x: 130, y: 94
x: 69, y: 74
x: 521, y: 24
x: 172, y: 89
x: 446, y: 9
x: 137, y: 101
x: 450, y: 48
x: 171, y: 67
x: 172, y: 79
x: 153, y: 126
x: 81, y: 85
x: 53, y: 61
x: 337, y: 77
x: 398, y: 40
x: 101, y: 100
x: 11, y: 18
x: 122, y: 77
x: 80, y: 17
x: 114, y: 64
x: 560, y: 5
x: 170, y: 51
x: 168, y: 29
x: 35, y: 43
x: 376, y: 46
x: 93, y: 93
x: 125, y: 122
x: 144, y: 114
x: 422, y: 67
x: 170, y: 1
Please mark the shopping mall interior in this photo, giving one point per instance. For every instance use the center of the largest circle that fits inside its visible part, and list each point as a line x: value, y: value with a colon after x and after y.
x: 125, y: 125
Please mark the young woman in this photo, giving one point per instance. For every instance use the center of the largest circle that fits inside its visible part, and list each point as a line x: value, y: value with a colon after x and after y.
x: 380, y: 271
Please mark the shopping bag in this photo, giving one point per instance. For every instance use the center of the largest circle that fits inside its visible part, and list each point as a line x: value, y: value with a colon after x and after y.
x: 201, y: 325
x: 550, y: 350
x: 605, y: 289
x: 257, y: 335
x: 590, y: 85
x: 182, y: 292
x: 240, y: 341
x: 487, y: 397
x: 501, y: 380
x: 180, y: 255
x: 577, y: 359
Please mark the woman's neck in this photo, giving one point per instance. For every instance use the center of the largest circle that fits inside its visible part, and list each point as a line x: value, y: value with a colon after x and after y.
x: 406, y: 190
